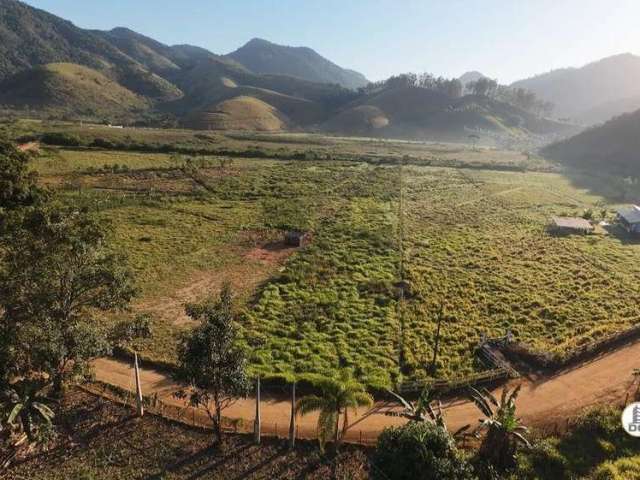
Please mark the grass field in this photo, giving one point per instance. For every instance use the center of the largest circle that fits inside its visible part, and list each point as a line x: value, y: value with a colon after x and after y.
x: 474, y: 244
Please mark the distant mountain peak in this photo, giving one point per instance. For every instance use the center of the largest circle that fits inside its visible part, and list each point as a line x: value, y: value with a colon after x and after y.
x: 471, y: 76
x: 264, y: 57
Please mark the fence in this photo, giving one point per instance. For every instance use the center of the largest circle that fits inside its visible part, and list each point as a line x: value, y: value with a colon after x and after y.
x: 554, y: 360
x: 499, y: 369
x: 197, y: 418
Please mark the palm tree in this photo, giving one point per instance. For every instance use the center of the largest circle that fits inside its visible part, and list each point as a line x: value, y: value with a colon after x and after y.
x: 338, y: 396
x: 24, y: 407
x: 423, y: 410
x: 504, y: 430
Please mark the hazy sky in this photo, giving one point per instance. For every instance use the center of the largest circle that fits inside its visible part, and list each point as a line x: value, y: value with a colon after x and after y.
x: 505, y: 39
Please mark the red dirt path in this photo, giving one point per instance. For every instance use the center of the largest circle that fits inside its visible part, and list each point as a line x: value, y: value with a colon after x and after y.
x: 542, y: 402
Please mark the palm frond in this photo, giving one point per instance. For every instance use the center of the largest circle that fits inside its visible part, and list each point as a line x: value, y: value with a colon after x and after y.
x: 514, y: 395
x: 521, y: 438
x: 401, y: 400
x: 489, y: 396
x: 310, y: 403
x: 14, y: 413
x: 478, y: 398
x: 45, y: 411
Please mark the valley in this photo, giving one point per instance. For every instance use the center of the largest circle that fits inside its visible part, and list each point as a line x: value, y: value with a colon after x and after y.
x: 475, y: 248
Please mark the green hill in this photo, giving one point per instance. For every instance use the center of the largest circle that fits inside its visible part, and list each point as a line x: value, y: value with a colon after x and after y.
x: 68, y: 89
x: 610, y: 148
x: 239, y: 113
x: 411, y: 112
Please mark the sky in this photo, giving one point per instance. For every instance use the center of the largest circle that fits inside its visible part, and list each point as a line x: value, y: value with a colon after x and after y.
x: 504, y: 39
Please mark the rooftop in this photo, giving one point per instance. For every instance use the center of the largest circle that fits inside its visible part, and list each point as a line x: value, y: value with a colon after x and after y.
x: 631, y: 214
x: 574, y: 223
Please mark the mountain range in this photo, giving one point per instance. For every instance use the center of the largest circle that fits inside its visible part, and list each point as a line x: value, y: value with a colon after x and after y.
x: 50, y: 67
x: 593, y: 93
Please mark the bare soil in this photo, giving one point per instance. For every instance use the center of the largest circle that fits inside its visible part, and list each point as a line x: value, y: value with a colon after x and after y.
x: 543, y: 403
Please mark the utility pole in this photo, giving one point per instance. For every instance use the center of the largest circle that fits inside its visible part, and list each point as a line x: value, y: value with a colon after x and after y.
x: 401, y: 272
x: 292, y: 423
x: 139, y: 405
x: 257, y: 422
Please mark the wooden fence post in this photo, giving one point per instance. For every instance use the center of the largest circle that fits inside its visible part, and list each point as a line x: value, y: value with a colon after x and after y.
x: 292, y: 423
x: 139, y: 404
x: 257, y: 422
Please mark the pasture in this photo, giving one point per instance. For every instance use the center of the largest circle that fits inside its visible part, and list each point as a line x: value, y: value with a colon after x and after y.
x: 474, y: 250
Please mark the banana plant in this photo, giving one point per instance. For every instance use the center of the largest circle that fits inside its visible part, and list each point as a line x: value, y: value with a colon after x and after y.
x: 428, y: 408
x: 25, y: 408
x: 504, y: 430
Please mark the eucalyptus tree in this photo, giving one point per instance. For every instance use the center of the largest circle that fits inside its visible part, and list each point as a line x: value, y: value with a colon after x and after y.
x: 210, y: 361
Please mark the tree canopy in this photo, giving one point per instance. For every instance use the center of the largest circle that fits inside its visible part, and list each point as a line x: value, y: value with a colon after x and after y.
x: 210, y: 360
x: 57, y: 272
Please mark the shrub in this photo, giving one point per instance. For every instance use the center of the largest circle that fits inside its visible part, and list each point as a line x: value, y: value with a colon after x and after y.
x: 61, y: 139
x: 102, y: 143
x: 418, y: 451
x: 621, y: 469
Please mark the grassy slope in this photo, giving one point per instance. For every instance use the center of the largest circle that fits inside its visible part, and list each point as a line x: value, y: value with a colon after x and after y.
x: 240, y: 113
x: 612, y: 147
x: 417, y: 113
x: 66, y: 88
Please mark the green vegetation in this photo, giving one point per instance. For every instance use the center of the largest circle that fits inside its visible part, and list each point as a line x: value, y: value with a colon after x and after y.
x: 595, y: 447
x: 504, y: 432
x: 210, y: 362
x: 419, y: 450
x: 475, y: 247
x: 338, y: 395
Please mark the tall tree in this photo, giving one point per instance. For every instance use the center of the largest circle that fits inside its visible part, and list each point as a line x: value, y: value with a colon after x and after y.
x: 56, y: 274
x: 338, y: 395
x: 210, y: 361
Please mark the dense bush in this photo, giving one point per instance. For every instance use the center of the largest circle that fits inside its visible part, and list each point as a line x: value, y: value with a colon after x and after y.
x: 621, y: 469
x: 418, y: 451
x: 61, y: 139
x: 595, y: 446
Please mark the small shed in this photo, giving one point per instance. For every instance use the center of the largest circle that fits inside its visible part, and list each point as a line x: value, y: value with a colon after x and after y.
x: 629, y: 218
x: 570, y: 225
x: 296, y: 238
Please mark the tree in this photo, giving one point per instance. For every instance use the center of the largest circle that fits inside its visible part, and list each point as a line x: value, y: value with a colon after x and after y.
x: 57, y: 273
x: 210, y: 362
x: 17, y: 184
x: 483, y: 87
x: 416, y: 451
x: 338, y: 395
x: 504, y: 430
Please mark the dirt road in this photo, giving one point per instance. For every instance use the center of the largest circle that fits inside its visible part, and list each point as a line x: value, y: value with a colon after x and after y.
x: 544, y: 402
